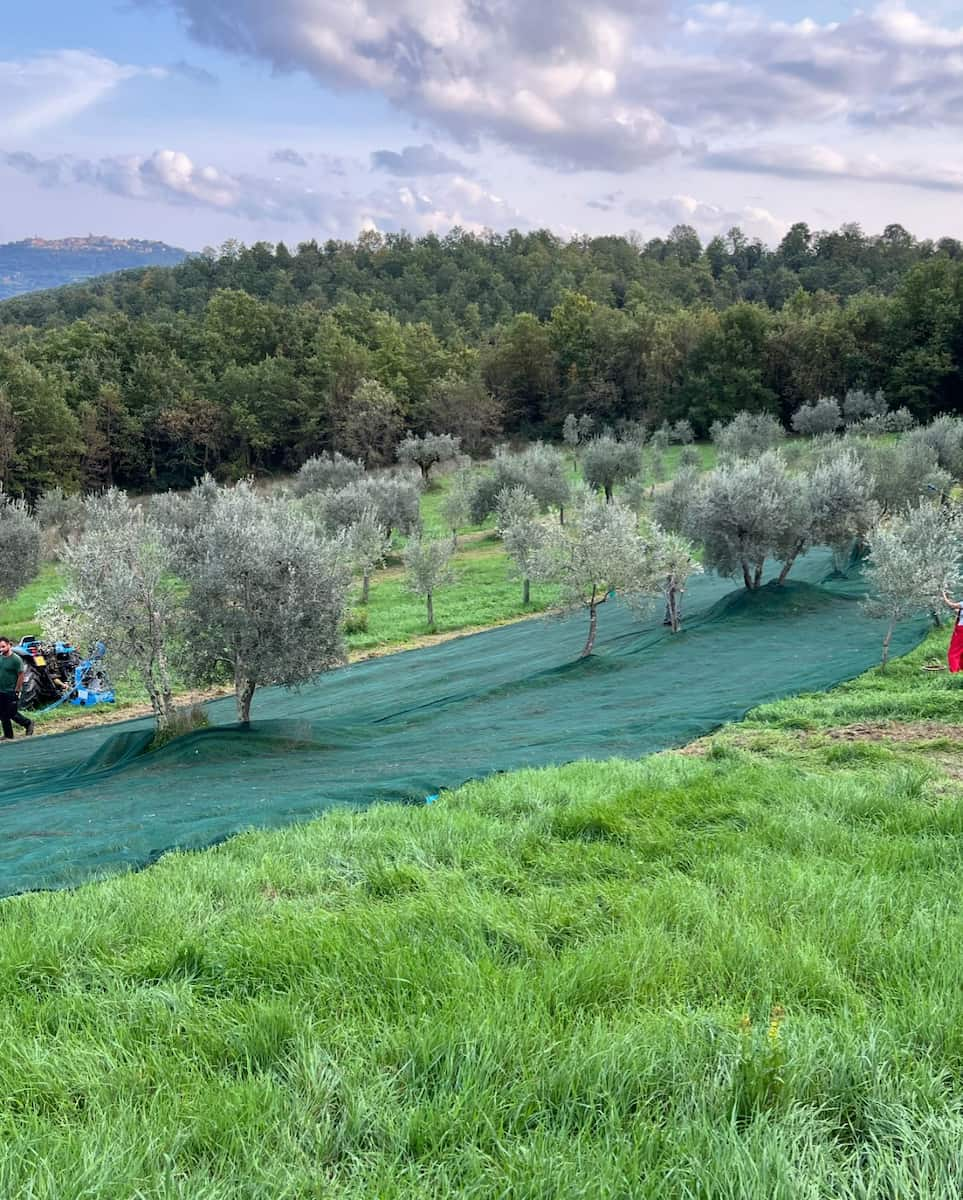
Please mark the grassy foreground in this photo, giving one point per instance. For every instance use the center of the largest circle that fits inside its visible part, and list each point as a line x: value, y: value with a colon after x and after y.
x: 727, y: 974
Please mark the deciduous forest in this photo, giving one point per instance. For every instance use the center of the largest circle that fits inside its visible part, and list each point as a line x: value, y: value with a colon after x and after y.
x: 251, y: 359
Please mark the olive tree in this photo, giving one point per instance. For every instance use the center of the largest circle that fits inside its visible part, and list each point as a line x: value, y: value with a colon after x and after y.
x: 607, y: 463
x: 424, y: 452
x: 266, y: 595
x: 944, y: 436
x: 516, y: 519
x: 428, y: 568
x: 835, y: 508
x: 326, y: 471
x: 121, y: 588
x: 598, y: 553
x: 397, y: 503
x: 858, y: 405
x: 570, y: 434
x: 60, y: 515
x: 745, y: 512
x: 746, y: 435
x: 903, y: 471
x: 368, y: 546
x: 812, y: 420
x: 682, y: 432
x: 180, y: 514
x: 678, y: 562
x: 672, y: 506
x: 913, y: 557
x: 540, y: 470
x: 456, y: 502
x: 20, y: 538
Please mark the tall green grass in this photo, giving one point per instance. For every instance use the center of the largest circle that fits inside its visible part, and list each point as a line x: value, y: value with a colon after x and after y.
x: 734, y: 977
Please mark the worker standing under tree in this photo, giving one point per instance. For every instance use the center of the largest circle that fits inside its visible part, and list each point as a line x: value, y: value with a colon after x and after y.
x: 954, y: 656
x: 11, y: 681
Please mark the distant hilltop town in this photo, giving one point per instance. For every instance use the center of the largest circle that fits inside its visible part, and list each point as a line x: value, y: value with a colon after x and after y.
x: 36, y: 263
x: 94, y: 242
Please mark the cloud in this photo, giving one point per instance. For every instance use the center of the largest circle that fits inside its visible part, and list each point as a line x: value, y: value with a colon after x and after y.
x: 604, y: 84
x: 605, y: 203
x: 822, y: 162
x: 172, y: 177
x: 878, y: 69
x: 546, y: 77
x: 707, y: 219
x: 37, y: 93
x: 193, y: 74
x: 289, y: 157
x: 416, y: 161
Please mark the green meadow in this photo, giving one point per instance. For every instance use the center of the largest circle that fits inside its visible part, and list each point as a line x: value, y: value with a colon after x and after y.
x: 727, y: 973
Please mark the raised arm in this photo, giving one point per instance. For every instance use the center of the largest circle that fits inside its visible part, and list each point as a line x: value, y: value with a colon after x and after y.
x: 954, y: 604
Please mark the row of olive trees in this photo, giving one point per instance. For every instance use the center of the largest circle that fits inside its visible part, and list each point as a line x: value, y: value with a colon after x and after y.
x: 216, y: 581
x: 914, y: 558
x: 749, y: 511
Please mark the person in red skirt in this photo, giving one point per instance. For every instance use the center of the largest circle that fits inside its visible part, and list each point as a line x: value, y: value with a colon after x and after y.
x: 954, y: 655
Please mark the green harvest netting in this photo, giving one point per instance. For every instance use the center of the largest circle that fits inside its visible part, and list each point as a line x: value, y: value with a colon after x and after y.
x: 400, y: 728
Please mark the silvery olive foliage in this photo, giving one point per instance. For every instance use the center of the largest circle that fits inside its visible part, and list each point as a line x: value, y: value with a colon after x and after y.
x: 180, y: 514
x: 540, y: 469
x: 944, y: 436
x: 425, y: 451
x: 682, y: 432
x: 543, y: 474
x: 570, y: 435
x: 745, y: 512
x: 859, y: 405
x: 599, y: 553
x: 265, y: 594
x: 903, y: 472
x: 121, y: 588
x: 456, y: 502
x: 324, y: 471
x: 61, y: 517
x: 913, y: 557
x: 823, y: 417
x: 672, y: 505
x: 677, y: 562
x: 20, y: 537
x: 395, y: 501
x: 522, y: 533
x: 427, y: 569
x: 746, y: 435
x: 368, y: 546
x: 607, y: 463
x: 751, y: 510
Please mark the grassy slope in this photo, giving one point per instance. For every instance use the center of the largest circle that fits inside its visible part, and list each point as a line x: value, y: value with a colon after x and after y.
x: 554, y: 983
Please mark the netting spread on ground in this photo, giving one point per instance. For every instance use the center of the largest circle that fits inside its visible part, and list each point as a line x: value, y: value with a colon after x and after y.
x: 401, y: 727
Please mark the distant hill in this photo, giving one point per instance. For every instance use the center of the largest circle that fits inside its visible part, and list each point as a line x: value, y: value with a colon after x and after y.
x: 36, y: 263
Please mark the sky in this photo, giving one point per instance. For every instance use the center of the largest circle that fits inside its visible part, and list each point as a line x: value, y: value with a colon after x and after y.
x: 196, y: 121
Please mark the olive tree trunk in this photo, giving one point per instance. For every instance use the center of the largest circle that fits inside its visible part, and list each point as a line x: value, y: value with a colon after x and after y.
x: 593, y: 607
x: 243, y: 694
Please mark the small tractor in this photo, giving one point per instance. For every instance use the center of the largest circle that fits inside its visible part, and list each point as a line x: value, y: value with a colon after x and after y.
x: 54, y: 672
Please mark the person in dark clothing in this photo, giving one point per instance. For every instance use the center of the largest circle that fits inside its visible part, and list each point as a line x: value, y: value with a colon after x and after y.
x: 11, y: 681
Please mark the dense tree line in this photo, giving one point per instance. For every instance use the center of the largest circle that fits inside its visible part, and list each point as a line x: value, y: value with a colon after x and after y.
x: 255, y: 359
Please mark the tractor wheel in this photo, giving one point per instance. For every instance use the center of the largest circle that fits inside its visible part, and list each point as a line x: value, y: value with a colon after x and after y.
x: 30, y: 692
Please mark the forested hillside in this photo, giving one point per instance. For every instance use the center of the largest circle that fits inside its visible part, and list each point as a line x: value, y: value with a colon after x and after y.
x: 252, y: 359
